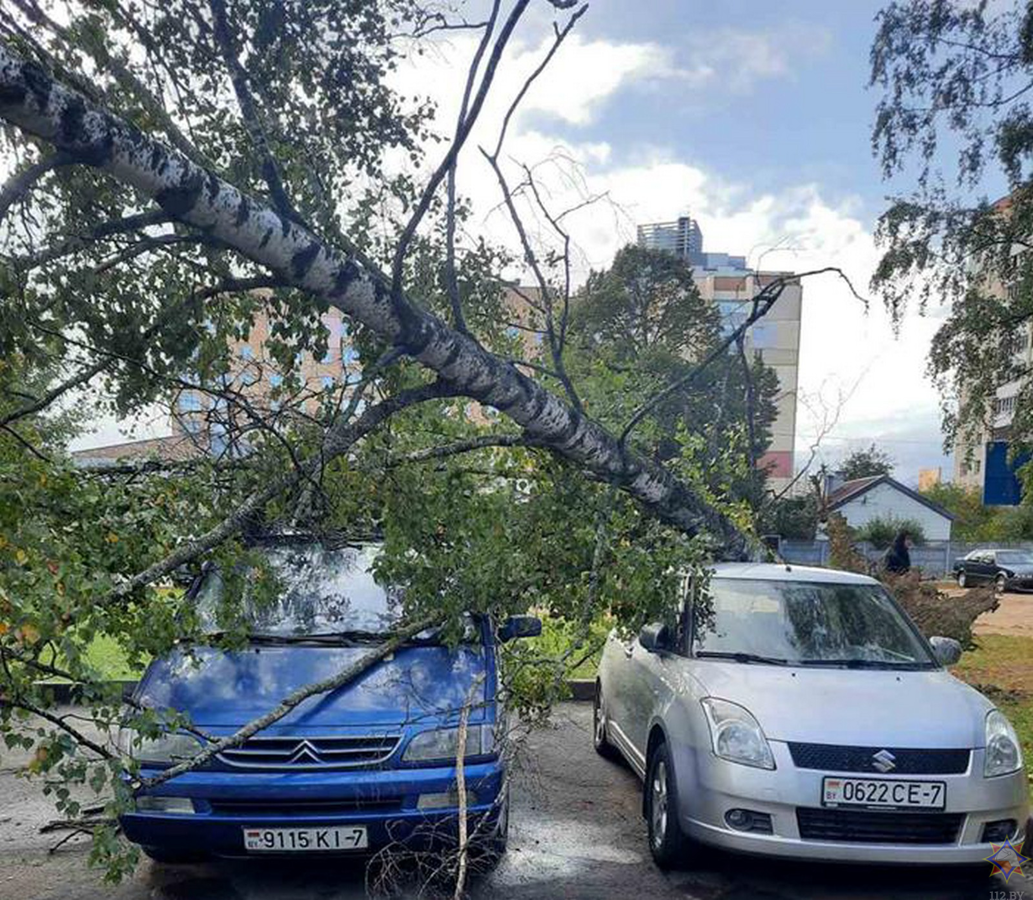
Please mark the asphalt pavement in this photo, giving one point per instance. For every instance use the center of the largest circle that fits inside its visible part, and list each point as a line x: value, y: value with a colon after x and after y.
x: 576, y: 832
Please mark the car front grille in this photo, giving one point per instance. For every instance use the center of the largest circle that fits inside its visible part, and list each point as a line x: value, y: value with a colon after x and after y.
x: 293, y: 753
x: 907, y: 761
x: 301, y: 808
x: 865, y: 827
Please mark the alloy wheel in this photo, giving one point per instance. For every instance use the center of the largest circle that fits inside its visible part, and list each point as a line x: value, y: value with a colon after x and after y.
x: 658, y: 803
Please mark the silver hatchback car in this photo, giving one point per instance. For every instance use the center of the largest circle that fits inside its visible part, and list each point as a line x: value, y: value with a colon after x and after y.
x: 799, y: 712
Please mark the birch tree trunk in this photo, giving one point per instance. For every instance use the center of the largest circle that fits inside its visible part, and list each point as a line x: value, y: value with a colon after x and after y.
x: 31, y: 100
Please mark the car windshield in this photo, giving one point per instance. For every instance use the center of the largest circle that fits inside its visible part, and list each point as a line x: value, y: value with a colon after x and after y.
x: 318, y: 592
x: 806, y: 623
x: 1014, y: 558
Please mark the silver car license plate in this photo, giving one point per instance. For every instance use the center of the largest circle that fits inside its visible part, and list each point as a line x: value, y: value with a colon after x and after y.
x: 878, y: 793
x: 305, y: 840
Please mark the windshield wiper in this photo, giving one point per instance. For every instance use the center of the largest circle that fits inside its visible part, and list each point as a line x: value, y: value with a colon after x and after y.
x: 742, y: 657
x: 863, y: 664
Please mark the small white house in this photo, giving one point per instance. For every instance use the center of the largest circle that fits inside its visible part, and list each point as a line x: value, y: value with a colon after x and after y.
x: 881, y: 497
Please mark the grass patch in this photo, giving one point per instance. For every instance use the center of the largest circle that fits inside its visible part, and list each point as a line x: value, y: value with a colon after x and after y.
x: 107, y: 656
x: 1002, y: 668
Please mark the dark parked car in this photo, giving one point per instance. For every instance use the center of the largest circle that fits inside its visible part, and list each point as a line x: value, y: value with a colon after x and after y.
x: 352, y: 770
x: 1009, y: 570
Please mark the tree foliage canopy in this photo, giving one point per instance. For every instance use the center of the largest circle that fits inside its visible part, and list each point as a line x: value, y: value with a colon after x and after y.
x: 955, y: 115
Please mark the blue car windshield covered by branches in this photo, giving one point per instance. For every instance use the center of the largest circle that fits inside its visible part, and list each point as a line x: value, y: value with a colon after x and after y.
x: 801, y: 623
x: 306, y: 590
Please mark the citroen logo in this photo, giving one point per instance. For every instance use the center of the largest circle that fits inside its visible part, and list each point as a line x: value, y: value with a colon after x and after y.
x: 884, y: 761
x: 305, y: 753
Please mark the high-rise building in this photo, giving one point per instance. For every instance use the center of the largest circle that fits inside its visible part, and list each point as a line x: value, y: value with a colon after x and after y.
x: 731, y: 284
x: 681, y: 237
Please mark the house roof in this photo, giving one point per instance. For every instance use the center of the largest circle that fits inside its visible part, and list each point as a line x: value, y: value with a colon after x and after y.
x: 851, y: 490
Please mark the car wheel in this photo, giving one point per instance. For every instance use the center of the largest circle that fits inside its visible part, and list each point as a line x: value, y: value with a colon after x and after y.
x: 1001, y: 583
x: 667, y: 843
x: 173, y: 857
x: 962, y: 579
x: 602, y: 744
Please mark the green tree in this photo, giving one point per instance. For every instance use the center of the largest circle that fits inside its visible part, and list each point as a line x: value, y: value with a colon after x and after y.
x: 954, y: 114
x: 866, y: 463
x: 641, y: 325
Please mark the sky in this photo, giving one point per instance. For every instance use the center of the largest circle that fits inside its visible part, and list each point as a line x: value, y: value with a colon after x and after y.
x: 755, y: 118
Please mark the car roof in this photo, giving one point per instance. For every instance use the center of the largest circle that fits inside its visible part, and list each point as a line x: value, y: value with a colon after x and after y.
x: 788, y: 572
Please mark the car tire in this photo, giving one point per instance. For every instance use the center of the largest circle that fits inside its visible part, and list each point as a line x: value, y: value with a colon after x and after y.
x: 1001, y: 584
x: 962, y: 579
x: 173, y: 857
x: 599, y: 740
x: 667, y: 842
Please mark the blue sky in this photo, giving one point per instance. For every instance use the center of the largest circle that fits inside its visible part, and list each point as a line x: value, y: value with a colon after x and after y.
x: 809, y: 122
x: 755, y: 117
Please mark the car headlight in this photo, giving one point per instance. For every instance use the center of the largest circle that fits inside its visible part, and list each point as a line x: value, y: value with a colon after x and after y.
x: 440, y: 745
x: 167, y: 750
x: 1003, y: 753
x: 736, y: 735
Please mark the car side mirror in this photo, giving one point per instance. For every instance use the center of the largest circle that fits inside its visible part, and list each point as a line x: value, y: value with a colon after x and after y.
x: 520, y: 627
x: 654, y: 637
x: 946, y: 650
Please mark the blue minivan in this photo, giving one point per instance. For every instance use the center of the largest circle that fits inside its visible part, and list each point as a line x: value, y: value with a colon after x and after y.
x: 351, y: 771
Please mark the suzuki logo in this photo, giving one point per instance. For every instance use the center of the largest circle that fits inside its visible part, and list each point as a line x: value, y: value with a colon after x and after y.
x: 884, y: 761
x: 305, y: 753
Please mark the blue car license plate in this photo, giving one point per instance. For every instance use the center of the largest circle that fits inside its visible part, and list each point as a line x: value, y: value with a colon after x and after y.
x: 305, y: 840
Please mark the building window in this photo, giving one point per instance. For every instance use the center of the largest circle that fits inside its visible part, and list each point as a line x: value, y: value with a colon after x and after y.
x: 246, y: 352
x: 275, y: 380
x: 1004, y: 405
x: 328, y: 382
x: 349, y: 355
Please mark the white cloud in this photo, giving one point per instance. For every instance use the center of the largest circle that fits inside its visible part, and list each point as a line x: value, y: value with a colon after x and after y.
x: 735, y: 59
x: 845, y: 349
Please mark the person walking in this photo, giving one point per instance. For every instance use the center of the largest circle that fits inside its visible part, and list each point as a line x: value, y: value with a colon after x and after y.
x: 898, y: 557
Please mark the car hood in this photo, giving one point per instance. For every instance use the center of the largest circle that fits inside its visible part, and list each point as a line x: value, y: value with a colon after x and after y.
x: 228, y: 689
x: 1024, y: 569
x: 860, y: 707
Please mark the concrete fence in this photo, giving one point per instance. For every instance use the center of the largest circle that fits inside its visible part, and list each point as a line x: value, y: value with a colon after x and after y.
x: 934, y: 558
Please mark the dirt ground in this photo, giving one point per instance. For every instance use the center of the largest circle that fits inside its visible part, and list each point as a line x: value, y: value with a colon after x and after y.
x: 1013, y: 617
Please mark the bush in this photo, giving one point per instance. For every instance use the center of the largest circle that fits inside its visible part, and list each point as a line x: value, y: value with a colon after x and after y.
x: 880, y: 533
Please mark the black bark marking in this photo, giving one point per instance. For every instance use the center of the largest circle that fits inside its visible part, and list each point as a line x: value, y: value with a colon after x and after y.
x: 178, y: 201
x: 70, y: 125
x: 37, y: 82
x: 302, y: 261
x: 346, y: 274
x: 452, y: 356
x: 212, y: 187
x: 243, y: 211
x: 265, y: 239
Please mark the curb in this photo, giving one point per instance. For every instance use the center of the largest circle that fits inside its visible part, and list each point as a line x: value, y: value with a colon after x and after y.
x: 582, y: 690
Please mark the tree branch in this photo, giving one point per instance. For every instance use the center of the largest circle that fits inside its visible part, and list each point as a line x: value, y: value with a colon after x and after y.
x: 21, y: 183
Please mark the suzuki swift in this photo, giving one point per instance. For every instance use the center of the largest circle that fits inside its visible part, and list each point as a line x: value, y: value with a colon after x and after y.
x: 348, y: 771
x: 800, y: 713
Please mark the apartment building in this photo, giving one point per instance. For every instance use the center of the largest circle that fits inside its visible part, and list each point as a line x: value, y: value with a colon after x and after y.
x: 726, y: 280
x: 982, y: 457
